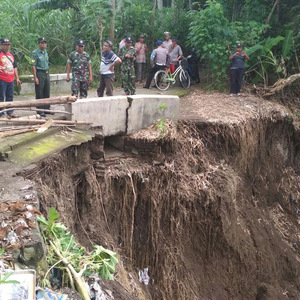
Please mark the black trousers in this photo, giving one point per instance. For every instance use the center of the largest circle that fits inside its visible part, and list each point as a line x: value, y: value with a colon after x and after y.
x: 43, y: 89
x: 236, y: 80
x: 152, y: 73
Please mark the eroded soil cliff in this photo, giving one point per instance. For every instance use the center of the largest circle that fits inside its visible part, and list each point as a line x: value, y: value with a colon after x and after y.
x: 210, y: 205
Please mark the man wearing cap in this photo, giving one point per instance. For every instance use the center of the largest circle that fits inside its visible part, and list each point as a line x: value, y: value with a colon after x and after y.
x: 123, y: 41
x: 40, y: 69
x: 141, y: 49
x: 160, y: 57
x: 8, y: 72
x: 175, y: 54
x: 82, y: 75
x: 167, y: 42
x: 237, y: 69
x: 127, y: 55
x: 108, y: 62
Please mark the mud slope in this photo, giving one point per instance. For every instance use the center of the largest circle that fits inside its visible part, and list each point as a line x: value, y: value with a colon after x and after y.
x: 211, y: 208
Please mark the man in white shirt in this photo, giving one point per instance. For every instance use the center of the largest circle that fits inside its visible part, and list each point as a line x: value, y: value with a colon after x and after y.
x: 109, y: 60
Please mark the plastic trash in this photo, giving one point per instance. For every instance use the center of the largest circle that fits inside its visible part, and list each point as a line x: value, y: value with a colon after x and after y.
x: 143, y: 276
x: 12, y: 238
x: 95, y: 291
x: 47, y: 294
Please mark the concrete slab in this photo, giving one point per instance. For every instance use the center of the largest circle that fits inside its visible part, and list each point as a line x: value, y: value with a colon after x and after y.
x: 108, y: 112
x: 147, y: 109
x: 28, y: 148
x: 58, y: 84
x: 125, y: 114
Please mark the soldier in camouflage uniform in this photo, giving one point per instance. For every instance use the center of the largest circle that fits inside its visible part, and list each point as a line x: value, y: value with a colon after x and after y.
x: 127, y: 55
x: 82, y: 75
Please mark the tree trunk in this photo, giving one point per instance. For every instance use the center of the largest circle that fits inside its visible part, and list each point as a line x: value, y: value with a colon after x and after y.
x: 100, y: 31
x: 276, y: 3
x: 153, y: 13
x: 111, y: 35
x: 159, y: 4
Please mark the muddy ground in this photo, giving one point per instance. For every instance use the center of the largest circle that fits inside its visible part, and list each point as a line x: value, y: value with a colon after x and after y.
x: 210, y: 205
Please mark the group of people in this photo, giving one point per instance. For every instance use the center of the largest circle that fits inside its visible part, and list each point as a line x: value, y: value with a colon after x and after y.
x: 167, y: 53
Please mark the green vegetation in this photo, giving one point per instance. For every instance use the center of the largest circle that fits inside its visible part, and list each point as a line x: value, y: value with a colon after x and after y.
x: 268, y: 29
x: 160, y: 123
x: 3, y: 278
x: 72, y: 259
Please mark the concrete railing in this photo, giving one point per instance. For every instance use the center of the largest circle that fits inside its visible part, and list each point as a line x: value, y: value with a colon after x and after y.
x: 57, y: 84
x: 125, y: 114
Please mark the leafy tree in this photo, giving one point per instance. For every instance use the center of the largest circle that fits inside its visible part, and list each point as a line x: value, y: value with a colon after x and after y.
x: 210, y: 35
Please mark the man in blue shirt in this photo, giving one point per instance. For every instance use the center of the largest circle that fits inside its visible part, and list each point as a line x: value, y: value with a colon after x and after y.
x: 107, y: 75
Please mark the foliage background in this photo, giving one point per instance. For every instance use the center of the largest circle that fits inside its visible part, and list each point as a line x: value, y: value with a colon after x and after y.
x: 268, y: 29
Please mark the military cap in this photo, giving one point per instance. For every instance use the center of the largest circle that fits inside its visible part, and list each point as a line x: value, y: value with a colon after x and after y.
x: 80, y: 43
x: 128, y: 40
x: 5, y: 41
x: 42, y: 40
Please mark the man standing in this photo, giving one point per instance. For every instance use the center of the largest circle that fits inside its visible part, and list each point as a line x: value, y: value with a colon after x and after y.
x: 127, y: 55
x: 160, y: 56
x: 8, y: 72
x: 82, y: 75
x: 40, y: 69
x: 141, y: 49
x: 167, y: 42
x: 108, y: 61
x: 175, y: 54
x: 237, y: 69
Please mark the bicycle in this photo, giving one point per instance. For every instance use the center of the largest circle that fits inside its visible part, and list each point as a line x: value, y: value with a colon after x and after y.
x: 163, y: 78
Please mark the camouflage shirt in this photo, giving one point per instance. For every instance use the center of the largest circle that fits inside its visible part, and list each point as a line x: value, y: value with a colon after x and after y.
x: 80, y: 63
x: 127, y: 63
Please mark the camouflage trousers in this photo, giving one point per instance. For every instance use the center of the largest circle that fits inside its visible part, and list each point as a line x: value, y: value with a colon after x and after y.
x: 80, y: 87
x: 128, y: 82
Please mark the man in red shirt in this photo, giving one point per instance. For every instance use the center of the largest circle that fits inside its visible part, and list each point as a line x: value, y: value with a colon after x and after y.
x: 8, y: 72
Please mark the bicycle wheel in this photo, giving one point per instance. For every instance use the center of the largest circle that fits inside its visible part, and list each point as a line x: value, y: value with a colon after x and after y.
x: 184, y: 79
x: 162, y: 80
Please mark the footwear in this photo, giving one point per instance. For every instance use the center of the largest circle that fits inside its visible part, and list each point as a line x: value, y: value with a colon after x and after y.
x: 145, y: 87
x: 43, y: 115
x: 154, y: 86
x: 231, y: 95
x: 12, y: 116
x: 238, y: 94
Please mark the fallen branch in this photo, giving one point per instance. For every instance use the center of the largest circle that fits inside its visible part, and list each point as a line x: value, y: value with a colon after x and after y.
x: 39, y: 102
x: 79, y: 281
x: 280, y: 85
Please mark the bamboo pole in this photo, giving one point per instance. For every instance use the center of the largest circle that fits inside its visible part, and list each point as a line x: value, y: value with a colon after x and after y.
x: 15, y: 132
x: 37, y: 109
x: 41, y: 121
x: 39, y: 102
